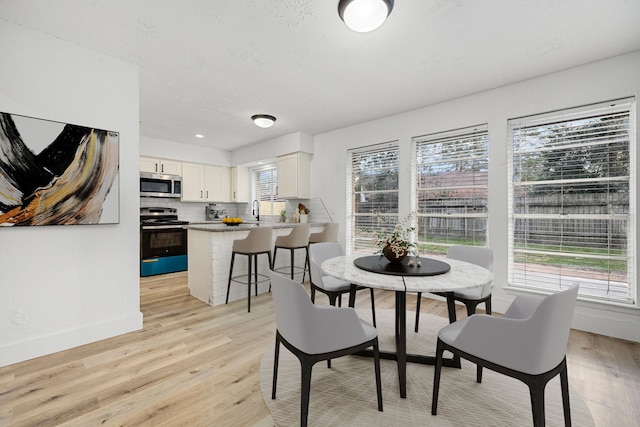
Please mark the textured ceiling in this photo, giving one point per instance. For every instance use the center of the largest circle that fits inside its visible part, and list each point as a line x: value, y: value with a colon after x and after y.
x: 206, y: 66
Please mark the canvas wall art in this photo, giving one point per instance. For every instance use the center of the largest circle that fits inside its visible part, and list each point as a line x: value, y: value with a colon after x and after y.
x: 55, y: 173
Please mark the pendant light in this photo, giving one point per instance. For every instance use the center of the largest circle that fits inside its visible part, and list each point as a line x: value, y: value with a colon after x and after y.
x: 263, y: 120
x: 364, y: 15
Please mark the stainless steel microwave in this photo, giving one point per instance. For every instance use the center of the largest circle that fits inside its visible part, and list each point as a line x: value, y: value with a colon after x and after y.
x: 158, y: 185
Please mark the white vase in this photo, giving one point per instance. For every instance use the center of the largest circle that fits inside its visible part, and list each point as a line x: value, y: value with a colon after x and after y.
x: 304, y: 218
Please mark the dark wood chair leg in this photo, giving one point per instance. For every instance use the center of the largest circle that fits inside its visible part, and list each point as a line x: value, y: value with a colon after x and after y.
x: 436, y: 378
x: 233, y: 257
x: 536, y: 389
x: 276, y: 357
x: 270, y: 267
x: 255, y: 274
x: 293, y: 259
x: 487, y: 305
x: 352, y: 295
x: 376, y: 362
x: 275, y: 253
x: 564, y: 385
x: 306, y: 389
x: 451, y: 307
x: 249, y: 285
x: 306, y: 263
x: 418, y: 311
x: 373, y: 307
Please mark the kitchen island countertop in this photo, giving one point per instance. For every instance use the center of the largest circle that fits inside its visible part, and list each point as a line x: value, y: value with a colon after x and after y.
x: 219, y: 227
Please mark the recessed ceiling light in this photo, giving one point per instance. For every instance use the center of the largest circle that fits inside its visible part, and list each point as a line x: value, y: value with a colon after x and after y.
x: 198, y: 135
x: 364, y: 15
x: 263, y: 120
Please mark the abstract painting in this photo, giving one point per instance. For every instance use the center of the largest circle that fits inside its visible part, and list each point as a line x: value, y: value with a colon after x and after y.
x: 55, y: 173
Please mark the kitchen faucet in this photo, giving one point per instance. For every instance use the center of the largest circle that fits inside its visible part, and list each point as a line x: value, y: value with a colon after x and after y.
x: 256, y: 209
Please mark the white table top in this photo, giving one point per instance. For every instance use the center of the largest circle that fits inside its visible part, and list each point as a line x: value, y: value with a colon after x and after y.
x: 463, y: 275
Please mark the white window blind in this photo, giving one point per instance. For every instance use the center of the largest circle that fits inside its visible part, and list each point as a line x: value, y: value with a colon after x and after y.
x: 372, y: 194
x: 451, y: 189
x: 265, y: 182
x: 572, y: 214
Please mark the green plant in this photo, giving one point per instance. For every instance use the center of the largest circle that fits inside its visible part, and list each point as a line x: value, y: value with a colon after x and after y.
x: 398, y: 239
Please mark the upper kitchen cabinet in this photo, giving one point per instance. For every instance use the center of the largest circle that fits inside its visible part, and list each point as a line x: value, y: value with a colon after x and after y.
x: 153, y: 165
x: 204, y: 183
x: 240, y: 191
x: 294, y: 176
x: 218, y: 183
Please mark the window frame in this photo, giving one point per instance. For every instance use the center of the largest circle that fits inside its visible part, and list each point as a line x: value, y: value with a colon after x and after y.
x: 571, y: 115
x: 273, y: 202
x: 386, y: 220
x: 478, y: 183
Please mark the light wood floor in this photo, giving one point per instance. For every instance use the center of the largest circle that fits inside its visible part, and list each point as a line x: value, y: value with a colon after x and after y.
x: 196, y: 365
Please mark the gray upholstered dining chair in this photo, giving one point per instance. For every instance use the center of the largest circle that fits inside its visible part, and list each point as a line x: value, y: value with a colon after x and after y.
x: 469, y: 297
x: 528, y: 343
x: 315, y: 333
x: 332, y: 287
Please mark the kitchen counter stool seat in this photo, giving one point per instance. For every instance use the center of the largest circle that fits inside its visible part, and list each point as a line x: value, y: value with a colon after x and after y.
x: 257, y: 242
x: 329, y: 234
x: 297, y: 239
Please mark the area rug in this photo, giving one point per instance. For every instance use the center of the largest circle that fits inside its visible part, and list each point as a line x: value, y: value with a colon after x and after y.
x: 346, y: 393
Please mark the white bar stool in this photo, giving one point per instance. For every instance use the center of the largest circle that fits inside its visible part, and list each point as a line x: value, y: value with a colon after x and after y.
x: 257, y: 242
x: 297, y: 239
x: 329, y: 234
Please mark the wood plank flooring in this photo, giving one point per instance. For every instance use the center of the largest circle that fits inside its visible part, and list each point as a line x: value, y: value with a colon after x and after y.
x: 197, y: 365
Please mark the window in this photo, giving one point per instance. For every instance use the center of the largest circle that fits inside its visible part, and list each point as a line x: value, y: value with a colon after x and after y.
x: 451, y: 189
x: 372, y: 194
x: 265, y: 182
x: 571, y: 217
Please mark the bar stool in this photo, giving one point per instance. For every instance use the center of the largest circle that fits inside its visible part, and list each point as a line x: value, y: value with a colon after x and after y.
x: 257, y: 242
x: 297, y: 239
x: 329, y: 234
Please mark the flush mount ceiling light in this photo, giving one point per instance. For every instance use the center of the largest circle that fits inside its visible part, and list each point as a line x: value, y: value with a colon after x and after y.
x: 263, y: 120
x: 364, y: 15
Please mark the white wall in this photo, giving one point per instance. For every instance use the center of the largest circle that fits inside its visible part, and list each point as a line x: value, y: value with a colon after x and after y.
x: 153, y: 147
x: 291, y: 143
x: 64, y: 286
x: 605, y: 80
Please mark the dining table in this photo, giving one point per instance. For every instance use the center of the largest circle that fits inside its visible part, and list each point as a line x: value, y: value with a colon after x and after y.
x: 413, y: 274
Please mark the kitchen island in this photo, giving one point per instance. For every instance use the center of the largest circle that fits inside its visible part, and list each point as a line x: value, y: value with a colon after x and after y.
x: 210, y: 247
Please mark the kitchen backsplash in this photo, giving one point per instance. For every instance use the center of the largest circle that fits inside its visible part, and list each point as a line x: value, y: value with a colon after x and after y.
x: 195, y: 212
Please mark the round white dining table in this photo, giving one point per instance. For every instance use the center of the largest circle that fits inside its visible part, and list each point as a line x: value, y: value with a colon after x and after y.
x: 461, y: 275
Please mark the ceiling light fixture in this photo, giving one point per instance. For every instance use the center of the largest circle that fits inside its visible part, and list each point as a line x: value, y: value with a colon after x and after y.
x: 198, y: 135
x: 263, y: 120
x: 364, y: 15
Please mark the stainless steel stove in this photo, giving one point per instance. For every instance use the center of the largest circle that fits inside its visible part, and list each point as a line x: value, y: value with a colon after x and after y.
x: 163, y: 241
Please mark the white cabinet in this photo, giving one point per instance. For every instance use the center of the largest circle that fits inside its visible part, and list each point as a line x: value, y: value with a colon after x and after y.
x: 204, y: 183
x: 217, y: 184
x: 154, y: 165
x: 294, y: 176
x: 192, y: 182
x: 240, y: 184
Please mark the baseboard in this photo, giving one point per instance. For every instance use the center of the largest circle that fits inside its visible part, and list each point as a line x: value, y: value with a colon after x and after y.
x: 40, y: 346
